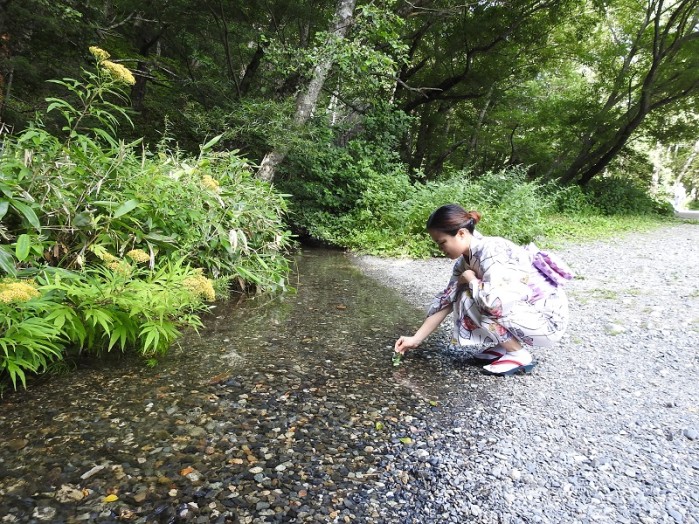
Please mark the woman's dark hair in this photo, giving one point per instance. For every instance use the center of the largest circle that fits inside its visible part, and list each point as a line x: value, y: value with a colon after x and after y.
x: 452, y: 217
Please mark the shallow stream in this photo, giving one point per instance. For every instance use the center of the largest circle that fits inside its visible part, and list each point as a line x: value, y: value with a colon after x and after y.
x: 280, y: 410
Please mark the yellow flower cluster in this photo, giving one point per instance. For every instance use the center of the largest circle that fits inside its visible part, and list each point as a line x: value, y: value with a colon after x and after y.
x: 105, y: 256
x: 100, y: 54
x: 17, y: 292
x: 118, y: 72
x: 200, y: 286
x: 210, y: 182
x: 138, y: 255
x: 115, y: 264
x: 120, y: 266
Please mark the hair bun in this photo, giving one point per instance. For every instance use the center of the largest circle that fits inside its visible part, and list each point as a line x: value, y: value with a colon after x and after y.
x: 475, y: 216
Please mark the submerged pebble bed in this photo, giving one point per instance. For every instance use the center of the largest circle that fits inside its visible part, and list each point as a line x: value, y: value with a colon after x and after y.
x: 291, y: 411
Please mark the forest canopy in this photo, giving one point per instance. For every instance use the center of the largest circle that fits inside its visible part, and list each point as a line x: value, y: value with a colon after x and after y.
x: 570, y: 89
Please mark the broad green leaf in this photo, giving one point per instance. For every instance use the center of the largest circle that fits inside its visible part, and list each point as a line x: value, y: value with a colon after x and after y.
x: 7, y: 190
x: 126, y: 207
x: 28, y: 213
x: 7, y: 260
x: 211, y: 143
x: 4, y: 206
x: 82, y: 220
x: 24, y: 244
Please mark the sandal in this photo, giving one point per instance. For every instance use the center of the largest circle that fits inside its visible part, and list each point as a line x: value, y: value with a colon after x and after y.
x: 490, y: 354
x: 519, y: 361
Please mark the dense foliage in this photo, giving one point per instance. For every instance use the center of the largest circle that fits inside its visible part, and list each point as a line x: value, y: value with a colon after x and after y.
x: 106, y: 245
x: 573, y: 89
x: 389, y: 214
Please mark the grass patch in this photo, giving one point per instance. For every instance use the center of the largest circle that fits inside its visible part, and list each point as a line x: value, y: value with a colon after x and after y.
x: 561, y: 229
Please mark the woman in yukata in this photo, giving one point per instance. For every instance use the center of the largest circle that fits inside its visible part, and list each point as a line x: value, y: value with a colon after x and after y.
x: 503, y: 296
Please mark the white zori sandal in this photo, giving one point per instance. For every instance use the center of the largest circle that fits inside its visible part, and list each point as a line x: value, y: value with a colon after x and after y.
x: 519, y: 361
x: 490, y: 354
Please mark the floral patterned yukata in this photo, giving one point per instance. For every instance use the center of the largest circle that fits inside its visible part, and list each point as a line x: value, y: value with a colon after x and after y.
x: 509, y: 298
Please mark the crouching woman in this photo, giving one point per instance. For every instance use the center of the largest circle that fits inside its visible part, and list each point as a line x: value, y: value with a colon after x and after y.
x: 504, y: 297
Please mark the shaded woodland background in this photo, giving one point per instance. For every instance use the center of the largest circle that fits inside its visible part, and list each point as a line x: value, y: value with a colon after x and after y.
x: 571, y: 89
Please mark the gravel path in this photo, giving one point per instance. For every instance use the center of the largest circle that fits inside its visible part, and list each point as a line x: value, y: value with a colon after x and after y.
x: 606, y: 429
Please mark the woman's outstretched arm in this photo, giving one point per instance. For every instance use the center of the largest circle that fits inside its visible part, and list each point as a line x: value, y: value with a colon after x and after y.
x: 431, y: 323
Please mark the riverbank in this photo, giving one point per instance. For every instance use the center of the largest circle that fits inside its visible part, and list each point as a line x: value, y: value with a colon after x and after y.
x: 289, y: 410
x: 606, y: 429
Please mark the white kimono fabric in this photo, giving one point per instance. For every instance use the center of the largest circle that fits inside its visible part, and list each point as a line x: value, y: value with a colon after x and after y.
x: 510, y: 297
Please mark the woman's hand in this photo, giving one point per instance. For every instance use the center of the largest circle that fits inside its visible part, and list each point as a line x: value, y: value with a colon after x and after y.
x: 467, y: 276
x: 403, y: 344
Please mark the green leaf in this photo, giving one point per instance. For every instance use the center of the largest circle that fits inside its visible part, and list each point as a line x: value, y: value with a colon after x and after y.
x: 120, y: 335
x: 157, y: 237
x: 7, y: 190
x: 126, y: 207
x: 28, y: 213
x: 98, y: 316
x: 24, y: 244
x: 152, y: 338
x: 15, y: 371
x: 211, y: 143
x: 106, y: 136
x: 4, y: 206
x: 82, y: 220
x: 406, y: 440
x: 7, y: 260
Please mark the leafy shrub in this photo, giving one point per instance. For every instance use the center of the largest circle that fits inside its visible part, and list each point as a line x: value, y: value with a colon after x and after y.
x: 29, y: 340
x: 570, y: 199
x: 62, y: 197
x: 389, y: 215
x: 621, y: 196
x: 104, y: 227
x: 96, y: 310
x: 128, y: 307
x: 328, y: 182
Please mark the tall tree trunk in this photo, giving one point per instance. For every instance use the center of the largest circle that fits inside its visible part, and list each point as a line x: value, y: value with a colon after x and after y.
x: 308, y: 99
x: 421, y: 141
x: 5, y: 69
x: 481, y: 118
x: 220, y: 18
x: 252, y: 68
x: 146, y: 43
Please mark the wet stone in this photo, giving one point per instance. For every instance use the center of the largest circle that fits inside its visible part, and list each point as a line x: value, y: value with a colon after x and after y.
x: 16, y: 444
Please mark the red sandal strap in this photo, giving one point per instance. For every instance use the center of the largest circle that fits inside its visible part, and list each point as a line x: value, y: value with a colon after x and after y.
x: 507, y: 361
